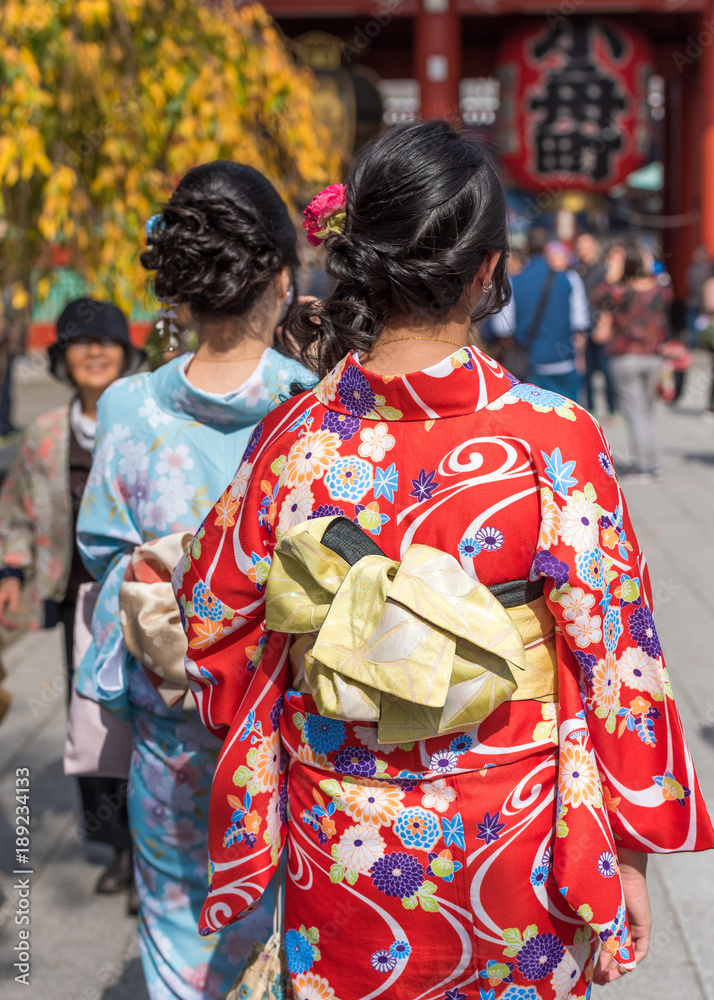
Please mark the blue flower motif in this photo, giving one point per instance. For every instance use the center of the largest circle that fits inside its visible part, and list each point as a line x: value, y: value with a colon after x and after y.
x: 590, y: 568
x: 469, y: 547
x: 489, y: 539
x: 559, y: 472
x: 539, y: 875
x: 612, y: 629
x: 349, y: 478
x: 206, y: 673
x: 521, y: 993
x: 424, y: 486
x: 484, y: 994
x: 490, y: 829
x: 417, y: 828
x: 324, y: 735
x: 606, y: 864
x: 206, y: 604
x: 386, y: 482
x: 536, y: 396
x: 299, y: 952
x: 401, y: 950
x: 455, y: 994
x: 461, y: 744
x: 453, y: 831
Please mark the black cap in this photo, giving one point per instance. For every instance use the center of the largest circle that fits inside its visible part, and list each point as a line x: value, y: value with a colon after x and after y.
x: 96, y: 320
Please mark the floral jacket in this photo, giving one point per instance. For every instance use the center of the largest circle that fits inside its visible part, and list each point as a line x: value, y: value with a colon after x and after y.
x: 514, y: 482
x: 36, y: 511
x: 164, y: 452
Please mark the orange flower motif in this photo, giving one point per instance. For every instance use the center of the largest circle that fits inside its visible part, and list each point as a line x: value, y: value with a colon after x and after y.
x: 377, y: 804
x: 550, y: 519
x: 309, y: 986
x: 611, y: 801
x: 252, y: 821
x: 610, y: 537
x: 310, y: 457
x: 225, y: 511
x: 204, y: 634
x: 328, y: 826
x: 578, y: 777
x: 266, y: 769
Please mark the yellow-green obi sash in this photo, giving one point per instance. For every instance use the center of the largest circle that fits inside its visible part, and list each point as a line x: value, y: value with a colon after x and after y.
x: 417, y: 647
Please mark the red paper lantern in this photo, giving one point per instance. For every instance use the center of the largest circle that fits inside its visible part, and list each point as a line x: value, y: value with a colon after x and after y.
x: 574, y: 111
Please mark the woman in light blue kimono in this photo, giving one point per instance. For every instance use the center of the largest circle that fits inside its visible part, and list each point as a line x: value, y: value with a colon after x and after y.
x: 168, y: 443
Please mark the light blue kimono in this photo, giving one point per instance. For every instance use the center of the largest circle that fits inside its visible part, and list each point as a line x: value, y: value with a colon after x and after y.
x: 165, y: 452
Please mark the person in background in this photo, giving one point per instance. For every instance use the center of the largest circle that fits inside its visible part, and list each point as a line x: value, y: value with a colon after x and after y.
x: 705, y: 325
x: 591, y: 268
x: 14, y: 320
x: 636, y: 306
x: 697, y: 273
x: 677, y: 355
x: 548, y: 318
x: 39, y: 504
x: 168, y: 442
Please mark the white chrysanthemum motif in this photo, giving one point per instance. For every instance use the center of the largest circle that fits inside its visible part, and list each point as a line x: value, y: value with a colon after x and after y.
x: 581, y: 520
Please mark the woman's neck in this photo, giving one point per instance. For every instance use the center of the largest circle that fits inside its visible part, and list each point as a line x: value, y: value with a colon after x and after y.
x: 88, y: 399
x: 229, y: 349
x: 405, y: 347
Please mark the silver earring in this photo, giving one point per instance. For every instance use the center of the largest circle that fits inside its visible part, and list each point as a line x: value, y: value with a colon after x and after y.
x: 487, y: 285
x: 167, y: 327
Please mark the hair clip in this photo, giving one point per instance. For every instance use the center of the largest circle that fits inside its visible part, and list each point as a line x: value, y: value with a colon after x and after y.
x: 325, y: 214
x: 153, y: 225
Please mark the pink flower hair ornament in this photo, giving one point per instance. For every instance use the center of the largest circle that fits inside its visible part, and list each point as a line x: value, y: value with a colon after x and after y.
x: 325, y: 214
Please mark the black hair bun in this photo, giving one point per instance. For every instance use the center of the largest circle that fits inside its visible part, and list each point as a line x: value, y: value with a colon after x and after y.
x: 424, y: 209
x: 223, y: 235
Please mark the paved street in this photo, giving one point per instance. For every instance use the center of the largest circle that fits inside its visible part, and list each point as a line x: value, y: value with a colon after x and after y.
x: 83, y: 945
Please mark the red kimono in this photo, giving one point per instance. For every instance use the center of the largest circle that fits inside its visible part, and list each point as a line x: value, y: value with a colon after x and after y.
x: 479, y: 865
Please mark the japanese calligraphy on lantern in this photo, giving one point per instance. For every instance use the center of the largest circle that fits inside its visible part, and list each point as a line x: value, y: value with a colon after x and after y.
x: 574, y: 103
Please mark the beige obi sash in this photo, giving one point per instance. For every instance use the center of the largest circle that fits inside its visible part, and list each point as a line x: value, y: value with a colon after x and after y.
x: 150, y: 619
x: 417, y: 647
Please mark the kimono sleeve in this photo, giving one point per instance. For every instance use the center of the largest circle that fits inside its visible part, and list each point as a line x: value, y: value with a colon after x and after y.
x: 220, y: 588
x: 106, y: 536
x: 598, y: 589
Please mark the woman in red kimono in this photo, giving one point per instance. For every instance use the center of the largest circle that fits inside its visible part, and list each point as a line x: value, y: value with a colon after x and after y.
x: 476, y: 830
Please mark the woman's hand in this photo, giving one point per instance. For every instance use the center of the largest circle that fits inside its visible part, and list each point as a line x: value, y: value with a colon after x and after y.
x: 633, y: 866
x: 9, y: 601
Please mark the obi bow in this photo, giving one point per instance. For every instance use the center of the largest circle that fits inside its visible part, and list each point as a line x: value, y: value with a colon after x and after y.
x: 416, y: 646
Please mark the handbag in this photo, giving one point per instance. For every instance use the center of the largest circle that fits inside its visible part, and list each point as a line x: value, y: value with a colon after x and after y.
x: 266, y: 975
x: 517, y: 356
x: 98, y: 743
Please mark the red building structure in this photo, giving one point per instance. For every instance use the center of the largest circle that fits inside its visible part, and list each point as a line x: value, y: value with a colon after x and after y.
x: 439, y: 43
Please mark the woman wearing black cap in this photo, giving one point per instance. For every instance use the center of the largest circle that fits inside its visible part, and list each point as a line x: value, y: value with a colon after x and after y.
x: 39, y: 504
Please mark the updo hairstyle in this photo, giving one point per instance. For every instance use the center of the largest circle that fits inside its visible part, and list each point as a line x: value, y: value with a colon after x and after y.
x: 424, y: 208
x: 221, y: 238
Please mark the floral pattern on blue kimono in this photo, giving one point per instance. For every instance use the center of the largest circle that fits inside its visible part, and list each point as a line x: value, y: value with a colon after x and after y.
x: 165, y: 451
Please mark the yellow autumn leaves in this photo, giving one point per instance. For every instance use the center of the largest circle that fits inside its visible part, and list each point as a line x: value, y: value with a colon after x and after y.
x: 105, y: 104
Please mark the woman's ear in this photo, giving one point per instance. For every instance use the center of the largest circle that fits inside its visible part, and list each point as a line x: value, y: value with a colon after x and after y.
x: 485, y: 272
x: 283, y: 282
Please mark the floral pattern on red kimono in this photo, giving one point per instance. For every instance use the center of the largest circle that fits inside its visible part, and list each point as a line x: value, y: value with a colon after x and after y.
x: 409, y: 848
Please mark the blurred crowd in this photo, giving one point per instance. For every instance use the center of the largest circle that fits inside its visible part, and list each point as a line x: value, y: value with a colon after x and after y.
x: 605, y: 307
